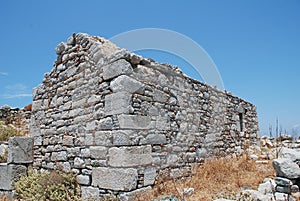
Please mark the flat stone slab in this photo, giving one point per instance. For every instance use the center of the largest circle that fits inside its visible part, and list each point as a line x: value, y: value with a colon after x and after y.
x: 9, y: 174
x: 115, y: 179
x: 130, y: 156
x: 20, y: 150
x: 135, y: 122
x: 120, y: 67
x: 117, y: 103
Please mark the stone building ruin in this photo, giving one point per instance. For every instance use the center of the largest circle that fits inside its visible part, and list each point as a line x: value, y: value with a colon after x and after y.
x: 120, y: 121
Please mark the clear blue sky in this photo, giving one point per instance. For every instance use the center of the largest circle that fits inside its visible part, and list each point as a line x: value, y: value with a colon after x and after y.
x: 255, y: 44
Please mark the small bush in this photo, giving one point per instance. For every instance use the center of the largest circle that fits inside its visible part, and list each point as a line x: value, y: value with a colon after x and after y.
x: 6, y: 132
x: 42, y: 186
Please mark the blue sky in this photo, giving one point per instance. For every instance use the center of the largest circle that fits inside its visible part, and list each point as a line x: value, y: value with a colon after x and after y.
x: 254, y: 44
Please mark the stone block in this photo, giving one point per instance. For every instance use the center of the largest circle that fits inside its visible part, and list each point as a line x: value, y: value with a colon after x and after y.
x: 20, y: 150
x: 37, y: 105
x: 292, y: 154
x: 121, y: 138
x: 68, y: 141
x: 120, y: 67
x: 135, y: 122
x: 125, y: 83
x: 103, y: 138
x: 9, y: 174
x: 210, y: 138
x: 115, y: 179
x: 117, y: 103
x: 98, y: 152
x: 91, y: 126
x: 83, y: 179
x: 266, y: 187
x: 60, y: 48
x: 287, y: 189
x: 280, y: 181
x: 156, y: 139
x: 59, y: 156
x: 85, y: 153
x: 64, y: 166
x: 130, y: 156
x: 149, y: 176
x: 160, y: 96
x: 105, y: 124
x: 88, y: 139
x: 282, y: 197
x: 78, y: 162
x: 38, y: 140
x: 172, y: 160
x: 163, y: 123
x: 89, y: 193
x: 286, y: 168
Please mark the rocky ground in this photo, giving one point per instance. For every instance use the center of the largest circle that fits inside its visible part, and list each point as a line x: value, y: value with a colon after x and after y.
x: 284, y: 153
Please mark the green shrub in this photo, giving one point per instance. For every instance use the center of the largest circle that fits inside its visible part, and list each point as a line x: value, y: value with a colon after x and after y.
x: 6, y: 132
x: 42, y: 186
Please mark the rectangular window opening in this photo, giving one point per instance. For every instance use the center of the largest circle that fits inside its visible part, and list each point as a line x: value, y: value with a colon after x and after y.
x: 241, y: 122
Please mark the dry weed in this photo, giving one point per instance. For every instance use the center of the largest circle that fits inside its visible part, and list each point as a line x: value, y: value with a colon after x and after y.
x: 4, y: 198
x: 215, y: 178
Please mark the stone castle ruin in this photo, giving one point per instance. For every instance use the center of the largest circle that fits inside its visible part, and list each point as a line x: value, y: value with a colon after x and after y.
x: 120, y: 121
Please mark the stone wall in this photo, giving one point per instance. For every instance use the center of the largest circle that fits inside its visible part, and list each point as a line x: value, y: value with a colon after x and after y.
x: 17, y: 118
x: 119, y: 121
x: 20, y: 158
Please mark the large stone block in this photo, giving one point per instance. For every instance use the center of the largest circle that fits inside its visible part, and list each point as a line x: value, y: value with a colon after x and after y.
x: 135, y: 122
x: 160, y: 96
x: 155, y: 139
x: 20, y: 150
x: 83, y: 179
x: 286, y: 168
x: 149, y: 176
x: 98, y: 152
x: 115, y: 179
x: 292, y: 154
x: 9, y: 174
x: 122, y: 137
x: 163, y: 123
x: 117, y: 103
x: 125, y: 83
x: 120, y: 67
x: 130, y: 156
x: 105, y: 124
x: 102, y: 138
x: 89, y: 193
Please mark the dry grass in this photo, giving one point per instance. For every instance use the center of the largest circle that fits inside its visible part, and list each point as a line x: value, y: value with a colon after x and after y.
x: 4, y: 198
x: 216, y: 178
